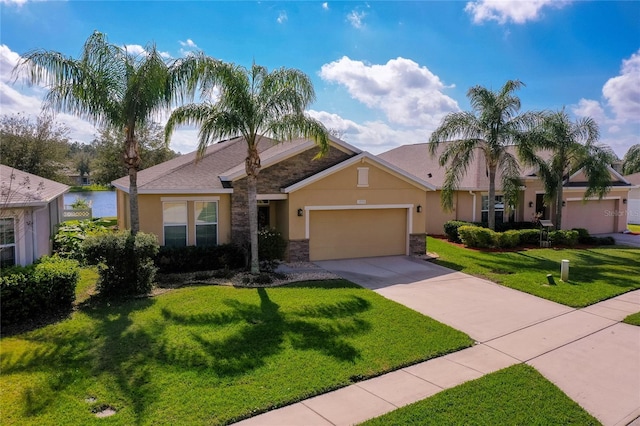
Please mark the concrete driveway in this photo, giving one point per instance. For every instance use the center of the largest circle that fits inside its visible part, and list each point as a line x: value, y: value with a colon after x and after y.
x: 482, y: 309
x: 587, y: 352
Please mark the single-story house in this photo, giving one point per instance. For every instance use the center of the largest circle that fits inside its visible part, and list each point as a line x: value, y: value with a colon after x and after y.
x: 633, y: 203
x: 348, y: 203
x: 30, y: 209
x: 345, y: 204
x: 471, y: 203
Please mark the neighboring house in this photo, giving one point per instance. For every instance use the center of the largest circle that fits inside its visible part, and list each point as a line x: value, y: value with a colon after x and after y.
x: 471, y: 199
x: 79, y: 179
x: 30, y: 209
x: 633, y: 203
x: 345, y: 204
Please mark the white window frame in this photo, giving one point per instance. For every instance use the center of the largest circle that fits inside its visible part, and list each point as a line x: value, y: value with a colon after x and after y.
x: 13, y: 245
x: 186, y: 223
x: 363, y: 177
x: 195, y: 220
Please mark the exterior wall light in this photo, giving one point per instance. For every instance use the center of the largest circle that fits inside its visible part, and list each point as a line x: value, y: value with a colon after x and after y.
x: 419, y: 208
x: 530, y: 203
x: 624, y: 201
x: 300, y: 211
x: 564, y: 203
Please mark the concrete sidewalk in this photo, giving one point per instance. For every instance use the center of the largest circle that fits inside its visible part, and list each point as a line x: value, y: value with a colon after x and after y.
x: 587, y: 353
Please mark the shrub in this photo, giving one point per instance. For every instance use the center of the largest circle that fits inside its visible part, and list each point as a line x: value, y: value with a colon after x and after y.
x: 271, y: 245
x: 67, y: 242
x: 529, y: 236
x: 475, y: 236
x: 567, y: 238
x: 194, y: 259
x: 125, y: 263
x: 44, y: 288
x: 603, y: 241
x: 451, y: 229
x: 507, y: 239
x: 583, y: 236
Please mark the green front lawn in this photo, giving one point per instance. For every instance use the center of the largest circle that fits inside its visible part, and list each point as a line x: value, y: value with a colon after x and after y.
x: 517, y: 395
x: 210, y: 354
x: 633, y: 319
x: 595, y: 274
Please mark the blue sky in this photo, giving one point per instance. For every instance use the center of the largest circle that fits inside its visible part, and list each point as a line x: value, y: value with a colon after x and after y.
x: 385, y: 73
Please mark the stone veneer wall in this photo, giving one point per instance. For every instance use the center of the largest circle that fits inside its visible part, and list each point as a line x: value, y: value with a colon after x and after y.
x: 271, y: 179
x: 298, y: 251
x: 417, y: 244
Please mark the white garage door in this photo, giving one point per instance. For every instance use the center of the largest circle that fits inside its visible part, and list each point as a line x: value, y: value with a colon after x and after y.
x: 344, y: 234
x: 597, y: 216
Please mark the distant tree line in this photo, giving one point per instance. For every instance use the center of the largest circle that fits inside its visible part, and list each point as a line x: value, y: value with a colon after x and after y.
x: 43, y: 147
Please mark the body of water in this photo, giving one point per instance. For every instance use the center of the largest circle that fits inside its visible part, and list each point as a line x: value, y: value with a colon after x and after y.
x: 103, y: 203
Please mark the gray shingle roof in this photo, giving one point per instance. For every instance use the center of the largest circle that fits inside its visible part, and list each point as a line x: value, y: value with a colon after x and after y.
x: 18, y: 188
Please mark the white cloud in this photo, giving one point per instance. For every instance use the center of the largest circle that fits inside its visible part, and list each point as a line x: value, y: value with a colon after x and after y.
x: 325, y: 6
x: 516, y: 11
x: 12, y: 2
x: 134, y: 49
x: 372, y: 136
x: 590, y: 108
x: 282, y: 17
x: 189, y: 43
x: 355, y: 18
x: 407, y: 93
x: 623, y: 91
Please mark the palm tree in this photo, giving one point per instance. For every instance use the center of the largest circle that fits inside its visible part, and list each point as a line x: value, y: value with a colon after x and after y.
x: 112, y: 88
x: 252, y: 103
x: 631, y: 160
x: 492, y: 126
x: 571, y: 146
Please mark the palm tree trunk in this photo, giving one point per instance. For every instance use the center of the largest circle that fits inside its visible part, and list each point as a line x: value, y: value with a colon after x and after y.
x: 559, y: 196
x: 492, y: 199
x: 253, y: 167
x: 132, y: 161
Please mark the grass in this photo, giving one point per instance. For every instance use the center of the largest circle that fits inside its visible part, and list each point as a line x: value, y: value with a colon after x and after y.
x: 517, y: 395
x: 633, y: 319
x: 209, y: 354
x: 90, y: 188
x: 595, y: 274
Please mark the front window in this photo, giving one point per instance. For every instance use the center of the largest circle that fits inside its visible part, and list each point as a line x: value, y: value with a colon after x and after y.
x: 206, y: 223
x: 499, y: 206
x: 7, y: 242
x: 174, y: 217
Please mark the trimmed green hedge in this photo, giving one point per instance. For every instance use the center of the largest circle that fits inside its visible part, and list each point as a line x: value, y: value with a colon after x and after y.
x: 475, y: 236
x: 194, y: 258
x: 451, y: 229
x: 125, y: 263
x: 45, y: 288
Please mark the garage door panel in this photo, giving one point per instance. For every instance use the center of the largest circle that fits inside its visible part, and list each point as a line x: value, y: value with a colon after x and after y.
x: 341, y: 234
x: 594, y: 215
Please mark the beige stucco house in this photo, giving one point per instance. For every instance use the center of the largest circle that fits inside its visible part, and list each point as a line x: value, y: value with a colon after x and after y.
x: 30, y: 209
x: 345, y: 204
x: 633, y: 203
x: 599, y: 216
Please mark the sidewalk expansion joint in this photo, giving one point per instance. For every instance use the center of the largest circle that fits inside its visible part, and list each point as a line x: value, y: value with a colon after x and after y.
x: 323, y: 417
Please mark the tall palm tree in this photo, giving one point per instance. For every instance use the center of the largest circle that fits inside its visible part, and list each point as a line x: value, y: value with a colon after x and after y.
x: 631, y: 160
x: 252, y: 103
x: 571, y: 145
x: 492, y: 126
x: 110, y: 87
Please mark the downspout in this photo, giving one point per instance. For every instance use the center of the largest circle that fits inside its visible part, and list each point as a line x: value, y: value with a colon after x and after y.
x: 474, y: 206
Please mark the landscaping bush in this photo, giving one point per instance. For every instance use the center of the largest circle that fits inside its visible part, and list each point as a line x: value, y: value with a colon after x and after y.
x: 529, y: 236
x: 271, y: 245
x: 194, y: 259
x: 44, y: 288
x: 67, y: 242
x: 125, y: 263
x: 475, y: 236
x: 451, y: 229
x: 603, y: 241
x: 565, y: 238
x: 508, y: 226
x: 507, y: 239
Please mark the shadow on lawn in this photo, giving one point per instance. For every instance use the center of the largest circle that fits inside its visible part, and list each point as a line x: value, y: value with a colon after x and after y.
x: 263, y: 330
x: 123, y: 352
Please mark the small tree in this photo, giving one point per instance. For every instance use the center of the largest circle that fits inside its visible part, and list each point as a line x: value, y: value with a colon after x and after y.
x: 631, y: 160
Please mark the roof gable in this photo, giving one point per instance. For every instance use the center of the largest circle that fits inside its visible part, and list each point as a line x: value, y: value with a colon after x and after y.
x: 580, y: 180
x: 371, y: 159
x: 20, y: 188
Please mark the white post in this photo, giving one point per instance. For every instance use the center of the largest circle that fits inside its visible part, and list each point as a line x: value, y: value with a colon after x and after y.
x: 564, y: 270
